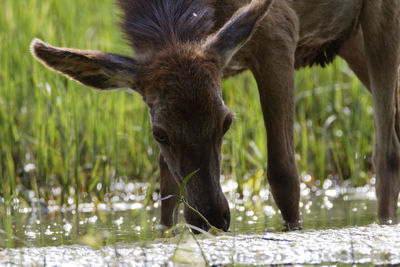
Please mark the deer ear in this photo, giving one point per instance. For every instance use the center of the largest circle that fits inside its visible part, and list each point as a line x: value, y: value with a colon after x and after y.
x: 238, y: 30
x: 96, y: 69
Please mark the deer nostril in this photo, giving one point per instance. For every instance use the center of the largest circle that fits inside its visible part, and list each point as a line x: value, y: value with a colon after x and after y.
x: 225, y: 226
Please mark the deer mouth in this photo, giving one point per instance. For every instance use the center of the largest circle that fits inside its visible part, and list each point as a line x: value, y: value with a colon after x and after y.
x: 217, y: 216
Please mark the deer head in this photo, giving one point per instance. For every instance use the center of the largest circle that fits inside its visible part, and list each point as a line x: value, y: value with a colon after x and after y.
x: 178, y: 74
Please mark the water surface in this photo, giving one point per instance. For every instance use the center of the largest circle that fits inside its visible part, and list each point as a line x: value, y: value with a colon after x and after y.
x: 339, y: 224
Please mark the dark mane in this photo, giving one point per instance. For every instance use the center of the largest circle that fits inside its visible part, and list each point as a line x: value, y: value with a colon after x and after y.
x: 150, y: 24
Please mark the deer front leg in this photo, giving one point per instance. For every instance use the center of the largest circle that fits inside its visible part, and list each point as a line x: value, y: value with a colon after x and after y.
x: 276, y: 89
x: 169, y: 192
x: 380, y: 21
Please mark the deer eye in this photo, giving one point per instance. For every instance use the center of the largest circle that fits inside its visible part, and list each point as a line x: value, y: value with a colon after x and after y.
x: 161, y: 136
x: 227, y: 123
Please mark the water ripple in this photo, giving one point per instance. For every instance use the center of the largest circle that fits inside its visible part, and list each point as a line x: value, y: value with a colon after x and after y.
x: 372, y: 244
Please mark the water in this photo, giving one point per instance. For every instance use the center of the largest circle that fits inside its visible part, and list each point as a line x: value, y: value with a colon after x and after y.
x: 339, y: 224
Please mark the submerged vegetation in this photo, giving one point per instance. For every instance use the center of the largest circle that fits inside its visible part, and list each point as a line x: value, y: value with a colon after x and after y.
x: 61, y: 140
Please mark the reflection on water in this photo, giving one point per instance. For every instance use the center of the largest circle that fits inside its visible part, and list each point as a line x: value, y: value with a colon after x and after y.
x: 124, y: 231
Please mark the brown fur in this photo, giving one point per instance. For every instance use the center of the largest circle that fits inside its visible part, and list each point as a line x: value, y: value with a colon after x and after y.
x: 168, y: 81
x: 185, y: 47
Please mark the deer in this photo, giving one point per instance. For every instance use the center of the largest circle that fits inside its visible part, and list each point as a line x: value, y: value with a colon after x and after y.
x: 185, y: 48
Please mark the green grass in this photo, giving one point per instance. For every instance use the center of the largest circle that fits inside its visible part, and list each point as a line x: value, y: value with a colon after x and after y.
x: 79, y: 139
